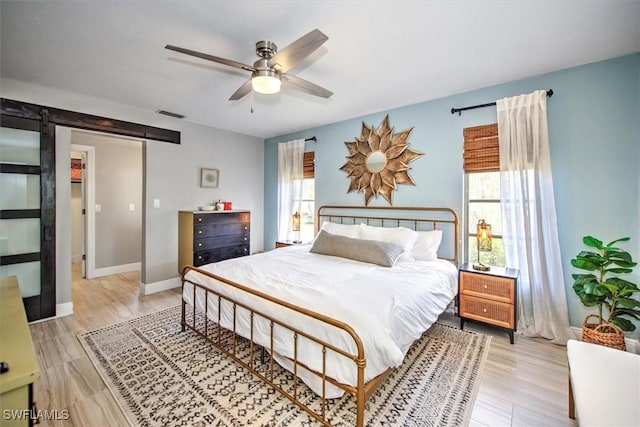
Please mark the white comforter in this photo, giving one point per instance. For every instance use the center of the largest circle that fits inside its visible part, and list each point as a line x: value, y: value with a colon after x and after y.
x: 389, y: 308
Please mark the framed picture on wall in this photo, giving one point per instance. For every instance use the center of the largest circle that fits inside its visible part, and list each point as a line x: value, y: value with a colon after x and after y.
x: 209, y: 178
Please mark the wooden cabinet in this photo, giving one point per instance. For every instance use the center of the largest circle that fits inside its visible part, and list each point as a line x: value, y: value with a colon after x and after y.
x: 283, y: 243
x: 212, y: 236
x: 488, y: 296
x: 16, y: 349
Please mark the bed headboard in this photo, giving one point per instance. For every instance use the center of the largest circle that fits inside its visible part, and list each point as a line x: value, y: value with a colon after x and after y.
x: 413, y: 217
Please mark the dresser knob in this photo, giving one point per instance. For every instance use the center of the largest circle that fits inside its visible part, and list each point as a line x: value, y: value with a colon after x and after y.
x: 485, y: 286
x: 484, y: 310
x: 246, y: 228
x: 245, y: 249
x: 199, y: 244
x: 199, y: 256
x: 199, y: 219
x: 245, y: 239
x: 200, y: 232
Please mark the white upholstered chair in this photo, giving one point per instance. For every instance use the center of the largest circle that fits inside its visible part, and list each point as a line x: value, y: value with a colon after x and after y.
x: 604, y: 385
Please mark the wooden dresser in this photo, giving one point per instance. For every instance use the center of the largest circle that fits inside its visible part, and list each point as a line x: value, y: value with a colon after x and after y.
x: 488, y: 296
x: 211, y: 236
x: 16, y: 349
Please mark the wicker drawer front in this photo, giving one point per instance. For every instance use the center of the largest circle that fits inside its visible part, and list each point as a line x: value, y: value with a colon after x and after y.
x: 488, y: 311
x: 486, y: 286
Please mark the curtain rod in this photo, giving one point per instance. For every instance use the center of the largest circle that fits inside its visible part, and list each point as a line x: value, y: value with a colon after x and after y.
x: 313, y: 138
x: 473, y: 107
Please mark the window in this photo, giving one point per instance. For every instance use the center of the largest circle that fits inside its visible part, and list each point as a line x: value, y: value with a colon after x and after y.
x: 482, y: 192
x: 306, y: 205
x: 483, y: 202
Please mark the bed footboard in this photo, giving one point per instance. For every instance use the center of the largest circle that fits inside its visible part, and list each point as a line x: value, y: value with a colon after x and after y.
x: 227, y: 343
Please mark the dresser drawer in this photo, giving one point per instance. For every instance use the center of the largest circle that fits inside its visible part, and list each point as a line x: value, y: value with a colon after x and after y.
x: 220, y: 242
x: 221, y: 218
x: 212, y: 229
x: 488, y: 311
x: 220, y: 254
x: 486, y: 286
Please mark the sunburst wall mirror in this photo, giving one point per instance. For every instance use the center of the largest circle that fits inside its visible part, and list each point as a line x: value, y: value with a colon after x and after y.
x: 378, y: 161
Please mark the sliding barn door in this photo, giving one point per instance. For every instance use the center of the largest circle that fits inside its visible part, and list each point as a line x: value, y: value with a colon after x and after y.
x: 27, y: 210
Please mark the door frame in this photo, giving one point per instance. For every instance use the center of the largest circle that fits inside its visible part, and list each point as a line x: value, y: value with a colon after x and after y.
x: 88, y: 203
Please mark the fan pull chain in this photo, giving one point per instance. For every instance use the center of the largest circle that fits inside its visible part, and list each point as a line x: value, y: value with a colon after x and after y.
x: 252, y: 102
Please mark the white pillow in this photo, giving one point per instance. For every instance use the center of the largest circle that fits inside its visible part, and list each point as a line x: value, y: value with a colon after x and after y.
x: 346, y: 230
x: 401, y: 236
x: 427, y: 244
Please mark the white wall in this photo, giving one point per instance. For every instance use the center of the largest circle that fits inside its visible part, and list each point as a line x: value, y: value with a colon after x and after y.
x: 171, y: 176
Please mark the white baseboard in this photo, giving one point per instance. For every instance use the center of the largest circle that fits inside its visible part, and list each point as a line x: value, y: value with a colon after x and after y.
x: 633, y: 346
x: 117, y: 269
x: 64, y: 309
x: 163, y: 285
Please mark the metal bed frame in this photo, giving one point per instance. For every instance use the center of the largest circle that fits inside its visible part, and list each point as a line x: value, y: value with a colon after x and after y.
x: 420, y: 218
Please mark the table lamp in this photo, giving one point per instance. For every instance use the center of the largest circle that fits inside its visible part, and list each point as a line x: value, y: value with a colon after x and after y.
x: 483, y: 238
x: 296, y: 227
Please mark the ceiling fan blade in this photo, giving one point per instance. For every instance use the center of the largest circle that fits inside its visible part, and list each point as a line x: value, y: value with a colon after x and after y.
x: 297, y: 51
x: 224, y: 61
x: 306, y: 86
x: 242, y: 91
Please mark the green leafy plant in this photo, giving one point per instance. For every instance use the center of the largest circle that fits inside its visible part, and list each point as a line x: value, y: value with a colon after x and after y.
x: 600, y: 289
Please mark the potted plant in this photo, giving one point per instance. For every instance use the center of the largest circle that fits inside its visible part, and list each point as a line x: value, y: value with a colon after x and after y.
x: 613, y: 296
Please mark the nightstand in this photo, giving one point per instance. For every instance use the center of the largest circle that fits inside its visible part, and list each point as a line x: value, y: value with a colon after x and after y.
x: 284, y: 243
x: 488, y: 297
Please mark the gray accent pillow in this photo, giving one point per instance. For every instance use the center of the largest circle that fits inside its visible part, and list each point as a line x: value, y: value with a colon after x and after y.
x: 371, y: 251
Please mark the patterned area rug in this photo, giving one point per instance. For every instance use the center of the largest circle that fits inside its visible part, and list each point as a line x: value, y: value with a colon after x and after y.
x: 160, y: 376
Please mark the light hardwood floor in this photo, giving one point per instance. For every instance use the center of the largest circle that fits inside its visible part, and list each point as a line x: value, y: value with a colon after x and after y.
x: 524, y: 384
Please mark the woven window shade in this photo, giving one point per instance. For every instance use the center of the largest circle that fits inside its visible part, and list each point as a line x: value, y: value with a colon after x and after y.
x: 308, y: 164
x: 481, y: 150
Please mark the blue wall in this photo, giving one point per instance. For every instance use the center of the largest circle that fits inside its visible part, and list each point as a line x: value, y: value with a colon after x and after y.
x: 594, y: 129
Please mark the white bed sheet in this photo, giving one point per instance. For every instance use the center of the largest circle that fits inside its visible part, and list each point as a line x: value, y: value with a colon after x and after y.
x: 389, y: 308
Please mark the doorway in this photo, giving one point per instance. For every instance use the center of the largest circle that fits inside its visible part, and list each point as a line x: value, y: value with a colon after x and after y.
x: 107, y: 208
x: 82, y: 218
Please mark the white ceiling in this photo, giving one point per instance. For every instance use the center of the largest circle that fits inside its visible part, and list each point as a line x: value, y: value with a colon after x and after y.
x: 379, y: 55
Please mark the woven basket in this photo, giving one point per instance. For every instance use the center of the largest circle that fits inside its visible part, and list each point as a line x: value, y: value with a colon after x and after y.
x: 605, y: 334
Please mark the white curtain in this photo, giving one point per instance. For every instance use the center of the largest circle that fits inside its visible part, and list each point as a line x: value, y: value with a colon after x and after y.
x: 530, y: 231
x: 290, y: 175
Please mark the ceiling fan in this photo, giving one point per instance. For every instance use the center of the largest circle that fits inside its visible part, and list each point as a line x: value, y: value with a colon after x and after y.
x: 270, y: 71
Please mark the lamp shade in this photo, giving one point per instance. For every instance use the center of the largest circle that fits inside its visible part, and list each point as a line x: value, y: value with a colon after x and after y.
x: 484, y: 236
x: 266, y: 82
x: 296, y: 221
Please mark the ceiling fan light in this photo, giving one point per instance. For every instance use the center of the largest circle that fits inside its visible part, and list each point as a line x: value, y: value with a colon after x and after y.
x: 266, y: 84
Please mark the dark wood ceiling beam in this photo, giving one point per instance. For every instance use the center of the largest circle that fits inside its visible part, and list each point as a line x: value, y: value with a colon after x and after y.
x: 12, y: 108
